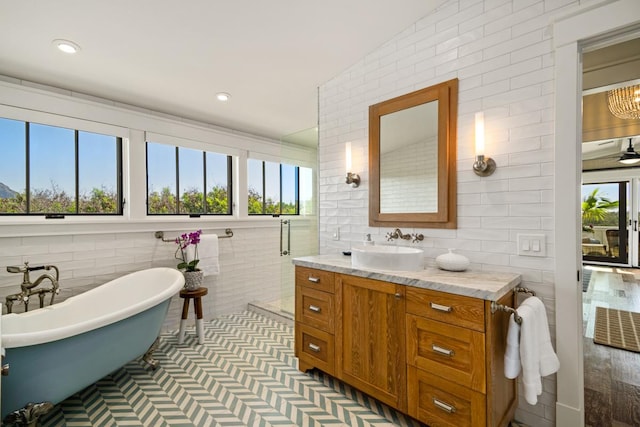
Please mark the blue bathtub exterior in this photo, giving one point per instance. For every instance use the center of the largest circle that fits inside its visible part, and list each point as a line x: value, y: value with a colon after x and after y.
x: 56, y: 370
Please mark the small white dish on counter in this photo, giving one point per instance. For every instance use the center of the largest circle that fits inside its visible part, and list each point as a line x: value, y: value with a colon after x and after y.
x: 382, y: 257
x: 452, y: 261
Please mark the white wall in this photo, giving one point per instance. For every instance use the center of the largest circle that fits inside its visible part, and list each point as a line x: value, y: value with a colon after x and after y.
x: 502, y: 53
x: 91, y: 251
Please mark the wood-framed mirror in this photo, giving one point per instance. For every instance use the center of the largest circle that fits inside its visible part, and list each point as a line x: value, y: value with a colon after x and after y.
x: 412, y: 159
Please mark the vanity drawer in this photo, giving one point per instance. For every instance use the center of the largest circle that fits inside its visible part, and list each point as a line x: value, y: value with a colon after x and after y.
x: 451, y: 352
x: 438, y: 402
x: 314, y: 308
x: 444, y: 307
x: 315, y: 348
x: 315, y: 279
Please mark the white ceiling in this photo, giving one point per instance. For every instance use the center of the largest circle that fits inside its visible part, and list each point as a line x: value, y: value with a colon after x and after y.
x: 174, y: 56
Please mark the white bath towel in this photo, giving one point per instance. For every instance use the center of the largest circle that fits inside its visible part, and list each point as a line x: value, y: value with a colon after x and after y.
x: 208, y: 251
x: 536, y: 353
x: 512, y: 353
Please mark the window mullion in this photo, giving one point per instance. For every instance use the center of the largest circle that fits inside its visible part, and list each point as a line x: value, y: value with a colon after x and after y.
x: 264, y: 188
x: 177, y: 207
x: 119, y: 185
x: 77, y: 167
x: 280, y: 195
x: 297, y: 190
x: 230, y: 186
x: 27, y: 169
x: 204, y: 182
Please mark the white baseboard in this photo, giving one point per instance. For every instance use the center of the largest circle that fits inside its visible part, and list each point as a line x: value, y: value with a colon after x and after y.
x: 567, y: 416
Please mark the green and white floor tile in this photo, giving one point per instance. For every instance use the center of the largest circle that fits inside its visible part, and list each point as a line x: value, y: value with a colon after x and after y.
x: 243, y: 375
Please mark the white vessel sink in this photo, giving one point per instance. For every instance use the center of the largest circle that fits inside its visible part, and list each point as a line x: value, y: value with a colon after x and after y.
x: 396, y: 258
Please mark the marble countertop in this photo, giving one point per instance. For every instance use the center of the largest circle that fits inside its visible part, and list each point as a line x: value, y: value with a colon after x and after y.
x: 477, y: 284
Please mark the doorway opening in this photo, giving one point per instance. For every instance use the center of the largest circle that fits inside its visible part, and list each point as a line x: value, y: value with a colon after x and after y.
x: 610, y: 205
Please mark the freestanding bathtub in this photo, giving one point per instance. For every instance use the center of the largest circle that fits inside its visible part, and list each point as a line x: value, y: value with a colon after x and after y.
x: 58, y: 350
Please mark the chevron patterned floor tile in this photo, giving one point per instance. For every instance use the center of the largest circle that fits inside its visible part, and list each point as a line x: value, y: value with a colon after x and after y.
x: 243, y: 375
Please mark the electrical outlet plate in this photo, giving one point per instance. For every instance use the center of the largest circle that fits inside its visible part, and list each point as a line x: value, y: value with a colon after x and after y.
x: 336, y: 233
x: 532, y: 245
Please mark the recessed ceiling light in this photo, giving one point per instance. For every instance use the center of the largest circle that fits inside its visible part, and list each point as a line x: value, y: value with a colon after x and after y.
x: 66, y: 46
x: 223, y: 96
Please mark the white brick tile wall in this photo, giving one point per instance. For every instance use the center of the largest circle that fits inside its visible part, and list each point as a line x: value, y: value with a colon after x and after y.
x: 250, y: 263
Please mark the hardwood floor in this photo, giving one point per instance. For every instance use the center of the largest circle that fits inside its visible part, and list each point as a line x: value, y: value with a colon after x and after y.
x: 611, y: 376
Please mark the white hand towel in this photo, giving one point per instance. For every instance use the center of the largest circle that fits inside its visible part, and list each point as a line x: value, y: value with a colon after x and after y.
x: 512, y: 352
x: 529, y: 355
x: 208, y: 253
x: 536, y: 352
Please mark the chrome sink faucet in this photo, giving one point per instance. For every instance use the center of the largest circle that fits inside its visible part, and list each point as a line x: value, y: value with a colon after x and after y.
x: 27, y: 287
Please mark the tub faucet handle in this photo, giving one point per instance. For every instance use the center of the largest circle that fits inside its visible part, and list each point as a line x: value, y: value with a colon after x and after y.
x: 16, y: 269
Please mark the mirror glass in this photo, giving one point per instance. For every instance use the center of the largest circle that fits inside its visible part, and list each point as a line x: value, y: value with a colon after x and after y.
x: 408, y: 160
x: 412, y: 154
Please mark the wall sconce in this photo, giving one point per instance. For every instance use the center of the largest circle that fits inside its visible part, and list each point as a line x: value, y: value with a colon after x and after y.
x: 483, y: 166
x: 352, y: 178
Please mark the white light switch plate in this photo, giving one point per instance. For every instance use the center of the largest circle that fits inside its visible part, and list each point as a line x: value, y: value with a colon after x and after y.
x: 532, y: 245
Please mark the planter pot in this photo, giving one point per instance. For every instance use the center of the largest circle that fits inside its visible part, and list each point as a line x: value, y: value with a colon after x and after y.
x: 193, y: 279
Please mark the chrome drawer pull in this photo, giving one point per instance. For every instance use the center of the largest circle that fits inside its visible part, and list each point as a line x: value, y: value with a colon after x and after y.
x: 314, y: 279
x: 447, y: 408
x: 442, y: 350
x: 314, y: 348
x: 314, y: 308
x: 439, y: 307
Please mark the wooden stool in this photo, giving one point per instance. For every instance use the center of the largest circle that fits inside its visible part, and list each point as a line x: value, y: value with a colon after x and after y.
x: 196, y: 295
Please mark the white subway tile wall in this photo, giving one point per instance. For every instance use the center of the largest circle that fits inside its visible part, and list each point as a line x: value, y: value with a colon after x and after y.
x: 501, y: 52
x: 251, y: 267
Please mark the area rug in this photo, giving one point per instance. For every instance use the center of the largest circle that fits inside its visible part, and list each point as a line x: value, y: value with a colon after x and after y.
x: 617, y: 328
x: 586, y: 278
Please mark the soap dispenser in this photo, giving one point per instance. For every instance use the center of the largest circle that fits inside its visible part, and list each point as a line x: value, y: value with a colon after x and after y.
x: 368, y: 241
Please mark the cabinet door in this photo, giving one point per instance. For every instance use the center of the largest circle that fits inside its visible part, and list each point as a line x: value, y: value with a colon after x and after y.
x: 370, y: 338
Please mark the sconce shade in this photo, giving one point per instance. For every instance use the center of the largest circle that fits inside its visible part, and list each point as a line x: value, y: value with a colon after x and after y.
x: 480, y: 134
x: 483, y: 166
x: 624, y: 102
x: 629, y: 157
x: 347, y: 155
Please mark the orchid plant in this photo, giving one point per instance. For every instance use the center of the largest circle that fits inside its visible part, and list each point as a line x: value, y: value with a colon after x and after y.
x: 183, y: 242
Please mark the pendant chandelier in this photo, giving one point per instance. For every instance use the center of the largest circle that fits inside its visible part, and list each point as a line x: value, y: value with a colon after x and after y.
x: 624, y: 102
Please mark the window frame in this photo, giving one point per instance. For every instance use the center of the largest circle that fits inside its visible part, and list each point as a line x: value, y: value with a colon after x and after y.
x: 264, y: 197
x: 175, y: 143
x: 77, y: 126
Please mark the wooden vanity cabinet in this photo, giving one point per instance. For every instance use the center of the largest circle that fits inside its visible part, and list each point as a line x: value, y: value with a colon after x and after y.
x: 315, y: 316
x: 435, y: 356
x: 455, y: 360
x: 370, y: 338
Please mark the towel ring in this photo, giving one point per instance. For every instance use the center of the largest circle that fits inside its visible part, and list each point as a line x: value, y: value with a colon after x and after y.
x: 499, y: 307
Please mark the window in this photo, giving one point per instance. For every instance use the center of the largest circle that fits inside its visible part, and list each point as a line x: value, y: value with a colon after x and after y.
x: 274, y: 188
x: 185, y: 181
x: 50, y: 170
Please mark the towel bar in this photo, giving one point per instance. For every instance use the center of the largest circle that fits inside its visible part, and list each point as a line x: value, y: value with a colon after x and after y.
x: 160, y: 235
x: 499, y: 307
